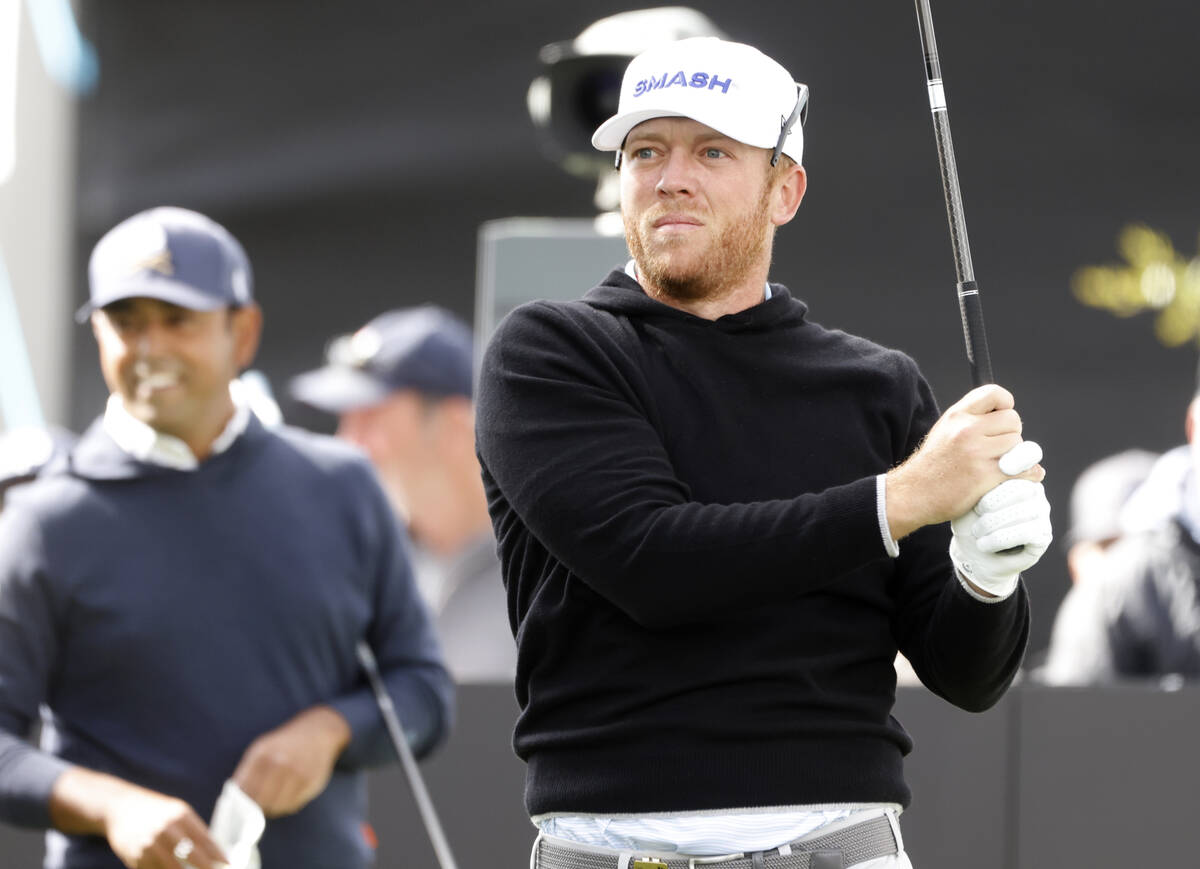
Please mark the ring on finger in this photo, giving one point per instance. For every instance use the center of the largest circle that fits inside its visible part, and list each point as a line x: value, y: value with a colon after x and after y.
x: 183, y: 849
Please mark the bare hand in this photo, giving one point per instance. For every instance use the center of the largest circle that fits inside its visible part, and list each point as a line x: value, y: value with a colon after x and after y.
x: 957, y: 463
x: 286, y: 768
x: 147, y: 830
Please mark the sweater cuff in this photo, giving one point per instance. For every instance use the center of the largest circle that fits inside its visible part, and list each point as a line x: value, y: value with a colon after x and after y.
x: 415, y: 708
x: 27, y: 777
x: 892, y: 547
x: 981, y: 598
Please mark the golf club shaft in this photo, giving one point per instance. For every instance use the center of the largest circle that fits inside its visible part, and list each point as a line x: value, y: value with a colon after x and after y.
x: 969, y: 305
x: 428, y: 814
x: 970, y: 308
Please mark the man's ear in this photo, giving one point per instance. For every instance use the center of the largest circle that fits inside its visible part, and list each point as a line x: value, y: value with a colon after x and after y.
x: 457, y: 417
x: 789, y: 191
x: 1189, y: 422
x: 246, y: 323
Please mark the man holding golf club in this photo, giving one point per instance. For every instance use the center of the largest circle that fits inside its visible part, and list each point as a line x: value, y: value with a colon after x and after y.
x: 720, y: 521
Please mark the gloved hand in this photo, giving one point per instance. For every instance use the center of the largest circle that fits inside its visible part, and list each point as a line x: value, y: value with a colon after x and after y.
x: 1014, y: 514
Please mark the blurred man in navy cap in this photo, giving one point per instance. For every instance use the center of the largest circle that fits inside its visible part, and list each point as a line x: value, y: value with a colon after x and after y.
x: 184, y: 593
x: 401, y: 386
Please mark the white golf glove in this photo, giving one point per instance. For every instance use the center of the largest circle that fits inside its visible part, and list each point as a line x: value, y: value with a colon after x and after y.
x: 1013, y: 516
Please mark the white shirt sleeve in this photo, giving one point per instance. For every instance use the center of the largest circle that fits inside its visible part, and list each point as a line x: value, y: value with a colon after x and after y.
x: 892, y: 547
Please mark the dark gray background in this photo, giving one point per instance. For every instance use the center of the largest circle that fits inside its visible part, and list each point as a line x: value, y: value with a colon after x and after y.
x: 356, y: 147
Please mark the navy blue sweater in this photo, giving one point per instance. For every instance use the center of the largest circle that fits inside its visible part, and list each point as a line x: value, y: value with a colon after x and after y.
x: 168, y: 618
x: 686, y: 512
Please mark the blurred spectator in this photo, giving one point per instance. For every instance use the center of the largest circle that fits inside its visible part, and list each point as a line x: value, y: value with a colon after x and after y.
x: 183, y: 596
x: 1099, y: 500
x: 401, y: 386
x: 1161, y: 495
x: 1099, y: 508
x: 1139, y: 616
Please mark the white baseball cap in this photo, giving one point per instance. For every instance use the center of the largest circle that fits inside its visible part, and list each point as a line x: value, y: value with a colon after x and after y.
x: 733, y: 88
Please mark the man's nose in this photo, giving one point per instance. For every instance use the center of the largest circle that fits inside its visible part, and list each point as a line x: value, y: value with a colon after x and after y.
x: 678, y: 174
x: 149, y: 340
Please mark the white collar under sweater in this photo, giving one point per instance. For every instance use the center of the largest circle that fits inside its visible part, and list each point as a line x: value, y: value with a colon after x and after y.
x: 157, y: 448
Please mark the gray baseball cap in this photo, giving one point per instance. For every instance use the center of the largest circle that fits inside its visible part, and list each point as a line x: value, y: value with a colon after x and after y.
x: 1100, y: 493
x: 173, y: 255
x: 425, y: 349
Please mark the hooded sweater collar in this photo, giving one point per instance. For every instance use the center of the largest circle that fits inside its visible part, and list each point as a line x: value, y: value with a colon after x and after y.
x: 619, y: 293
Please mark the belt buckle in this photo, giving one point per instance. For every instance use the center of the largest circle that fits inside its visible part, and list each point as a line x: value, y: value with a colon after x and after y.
x: 647, y: 863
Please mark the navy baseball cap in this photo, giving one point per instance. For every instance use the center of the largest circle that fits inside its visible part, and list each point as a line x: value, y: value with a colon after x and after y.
x: 425, y: 349
x: 171, y: 254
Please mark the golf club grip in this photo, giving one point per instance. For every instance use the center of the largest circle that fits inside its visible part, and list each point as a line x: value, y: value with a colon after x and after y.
x: 970, y: 307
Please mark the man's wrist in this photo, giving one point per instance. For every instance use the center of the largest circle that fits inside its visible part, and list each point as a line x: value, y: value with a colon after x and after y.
x: 993, y: 594
x: 81, y: 799
x: 896, y: 505
x: 332, y: 726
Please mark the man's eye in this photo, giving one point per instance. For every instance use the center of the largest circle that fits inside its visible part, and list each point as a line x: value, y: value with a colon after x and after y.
x: 713, y: 153
x: 642, y: 153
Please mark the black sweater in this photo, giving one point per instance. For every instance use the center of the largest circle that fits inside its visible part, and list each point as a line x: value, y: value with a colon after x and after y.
x: 686, y: 512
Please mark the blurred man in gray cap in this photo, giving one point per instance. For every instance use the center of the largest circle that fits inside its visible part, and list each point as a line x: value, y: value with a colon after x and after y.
x: 184, y: 594
x: 1099, y: 500
x: 1139, y: 616
x: 401, y: 386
